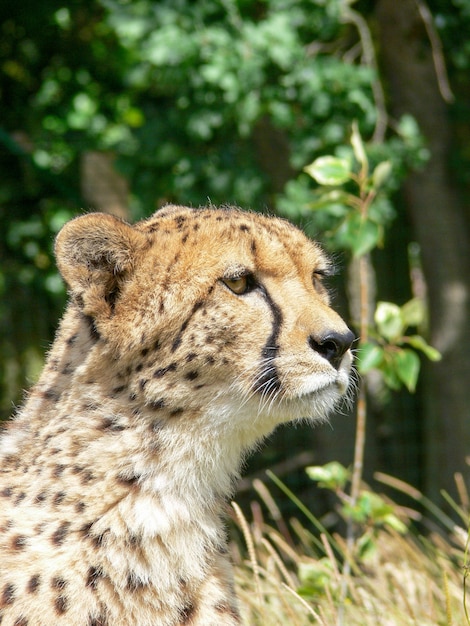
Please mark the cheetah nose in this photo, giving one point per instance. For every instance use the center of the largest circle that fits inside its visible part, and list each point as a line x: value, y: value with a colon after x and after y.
x: 332, y: 346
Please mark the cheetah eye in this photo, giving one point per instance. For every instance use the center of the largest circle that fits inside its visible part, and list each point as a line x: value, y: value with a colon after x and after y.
x: 318, y: 277
x: 240, y: 284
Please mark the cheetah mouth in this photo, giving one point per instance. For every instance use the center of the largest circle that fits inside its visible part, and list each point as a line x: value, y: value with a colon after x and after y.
x: 324, y: 386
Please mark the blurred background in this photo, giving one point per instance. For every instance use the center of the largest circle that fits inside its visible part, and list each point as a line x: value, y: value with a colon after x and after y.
x: 125, y: 105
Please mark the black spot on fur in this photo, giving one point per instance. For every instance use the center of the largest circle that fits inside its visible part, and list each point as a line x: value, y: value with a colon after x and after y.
x: 127, y: 479
x: 7, y: 492
x: 33, y: 584
x: 87, y: 477
x: 99, y: 540
x: 176, y: 412
x: 8, y: 595
x: 85, y: 529
x: 156, y: 405
x: 18, y: 542
x: 20, y: 497
x: 164, y: 370
x: 93, y: 576
x: 58, y: 583
x: 6, y: 526
x: 59, y: 498
x: 157, y: 425
x: 111, y: 423
x: 134, y: 582
x: 119, y: 389
x: 58, y: 537
x: 186, y: 613
x: 20, y: 621
x: 58, y: 470
x: 61, y: 604
x: 50, y: 394
x: 40, y: 498
x: 192, y: 375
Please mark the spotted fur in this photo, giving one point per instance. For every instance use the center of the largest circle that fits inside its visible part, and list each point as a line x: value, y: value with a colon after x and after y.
x: 187, y: 338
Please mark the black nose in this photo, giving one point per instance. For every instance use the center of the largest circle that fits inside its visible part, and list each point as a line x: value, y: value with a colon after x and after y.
x: 332, y: 346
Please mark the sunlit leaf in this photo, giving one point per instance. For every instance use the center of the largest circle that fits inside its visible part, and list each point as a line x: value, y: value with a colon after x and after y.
x: 389, y: 320
x: 331, y: 475
x: 329, y: 170
x: 381, y: 173
x: 413, y: 312
x: 358, y: 147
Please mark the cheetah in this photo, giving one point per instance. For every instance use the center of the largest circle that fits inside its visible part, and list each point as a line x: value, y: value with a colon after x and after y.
x: 187, y: 339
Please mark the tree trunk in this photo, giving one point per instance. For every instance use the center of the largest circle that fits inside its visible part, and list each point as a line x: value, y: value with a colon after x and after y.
x: 442, y: 231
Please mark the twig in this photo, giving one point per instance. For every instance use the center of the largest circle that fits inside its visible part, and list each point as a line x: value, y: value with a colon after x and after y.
x: 353, y: 17
x: 437, y: 56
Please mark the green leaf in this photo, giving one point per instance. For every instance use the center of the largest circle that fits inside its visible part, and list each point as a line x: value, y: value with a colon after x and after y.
x: 330, y: 476
x: 395, y: 523
x: 331, y: 197
x: 367, y: 238
x: 389, y: 320
x: 381, y: 173
x: 329, y: 170
x: 358, y: 147
x: 407, y: 367
x: 390, y: 376
x: 413, y: 312
x: 315, y: 576
x: 420, y: 344
x: 370, y: 356
x: 359, y: 235
x: 366, y: 546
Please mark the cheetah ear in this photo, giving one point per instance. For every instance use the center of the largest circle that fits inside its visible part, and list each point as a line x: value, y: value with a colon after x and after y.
x: 94, y: 252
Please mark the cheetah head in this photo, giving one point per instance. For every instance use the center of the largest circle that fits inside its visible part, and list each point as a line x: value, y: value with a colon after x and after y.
x: 209, y: 314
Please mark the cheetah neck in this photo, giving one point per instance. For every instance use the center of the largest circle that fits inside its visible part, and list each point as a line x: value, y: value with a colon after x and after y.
x: 149, y: 477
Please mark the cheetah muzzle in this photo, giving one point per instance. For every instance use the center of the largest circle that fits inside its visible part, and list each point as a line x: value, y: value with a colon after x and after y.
x: 188, y: 337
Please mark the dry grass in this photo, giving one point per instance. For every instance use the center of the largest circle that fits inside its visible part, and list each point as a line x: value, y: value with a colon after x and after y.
x: 290, y: 576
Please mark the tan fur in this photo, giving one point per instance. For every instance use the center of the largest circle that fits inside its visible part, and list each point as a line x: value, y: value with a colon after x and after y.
x: 116, y: 472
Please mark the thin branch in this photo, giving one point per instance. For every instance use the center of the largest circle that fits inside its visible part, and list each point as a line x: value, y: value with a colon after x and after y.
x: 437, y: 54
x: 352, y: 17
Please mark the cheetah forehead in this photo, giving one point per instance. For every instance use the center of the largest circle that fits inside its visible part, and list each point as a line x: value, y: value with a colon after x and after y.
x: 231, y: 236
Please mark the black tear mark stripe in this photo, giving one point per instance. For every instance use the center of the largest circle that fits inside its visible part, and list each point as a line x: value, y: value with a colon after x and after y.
x: 268, y: 380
